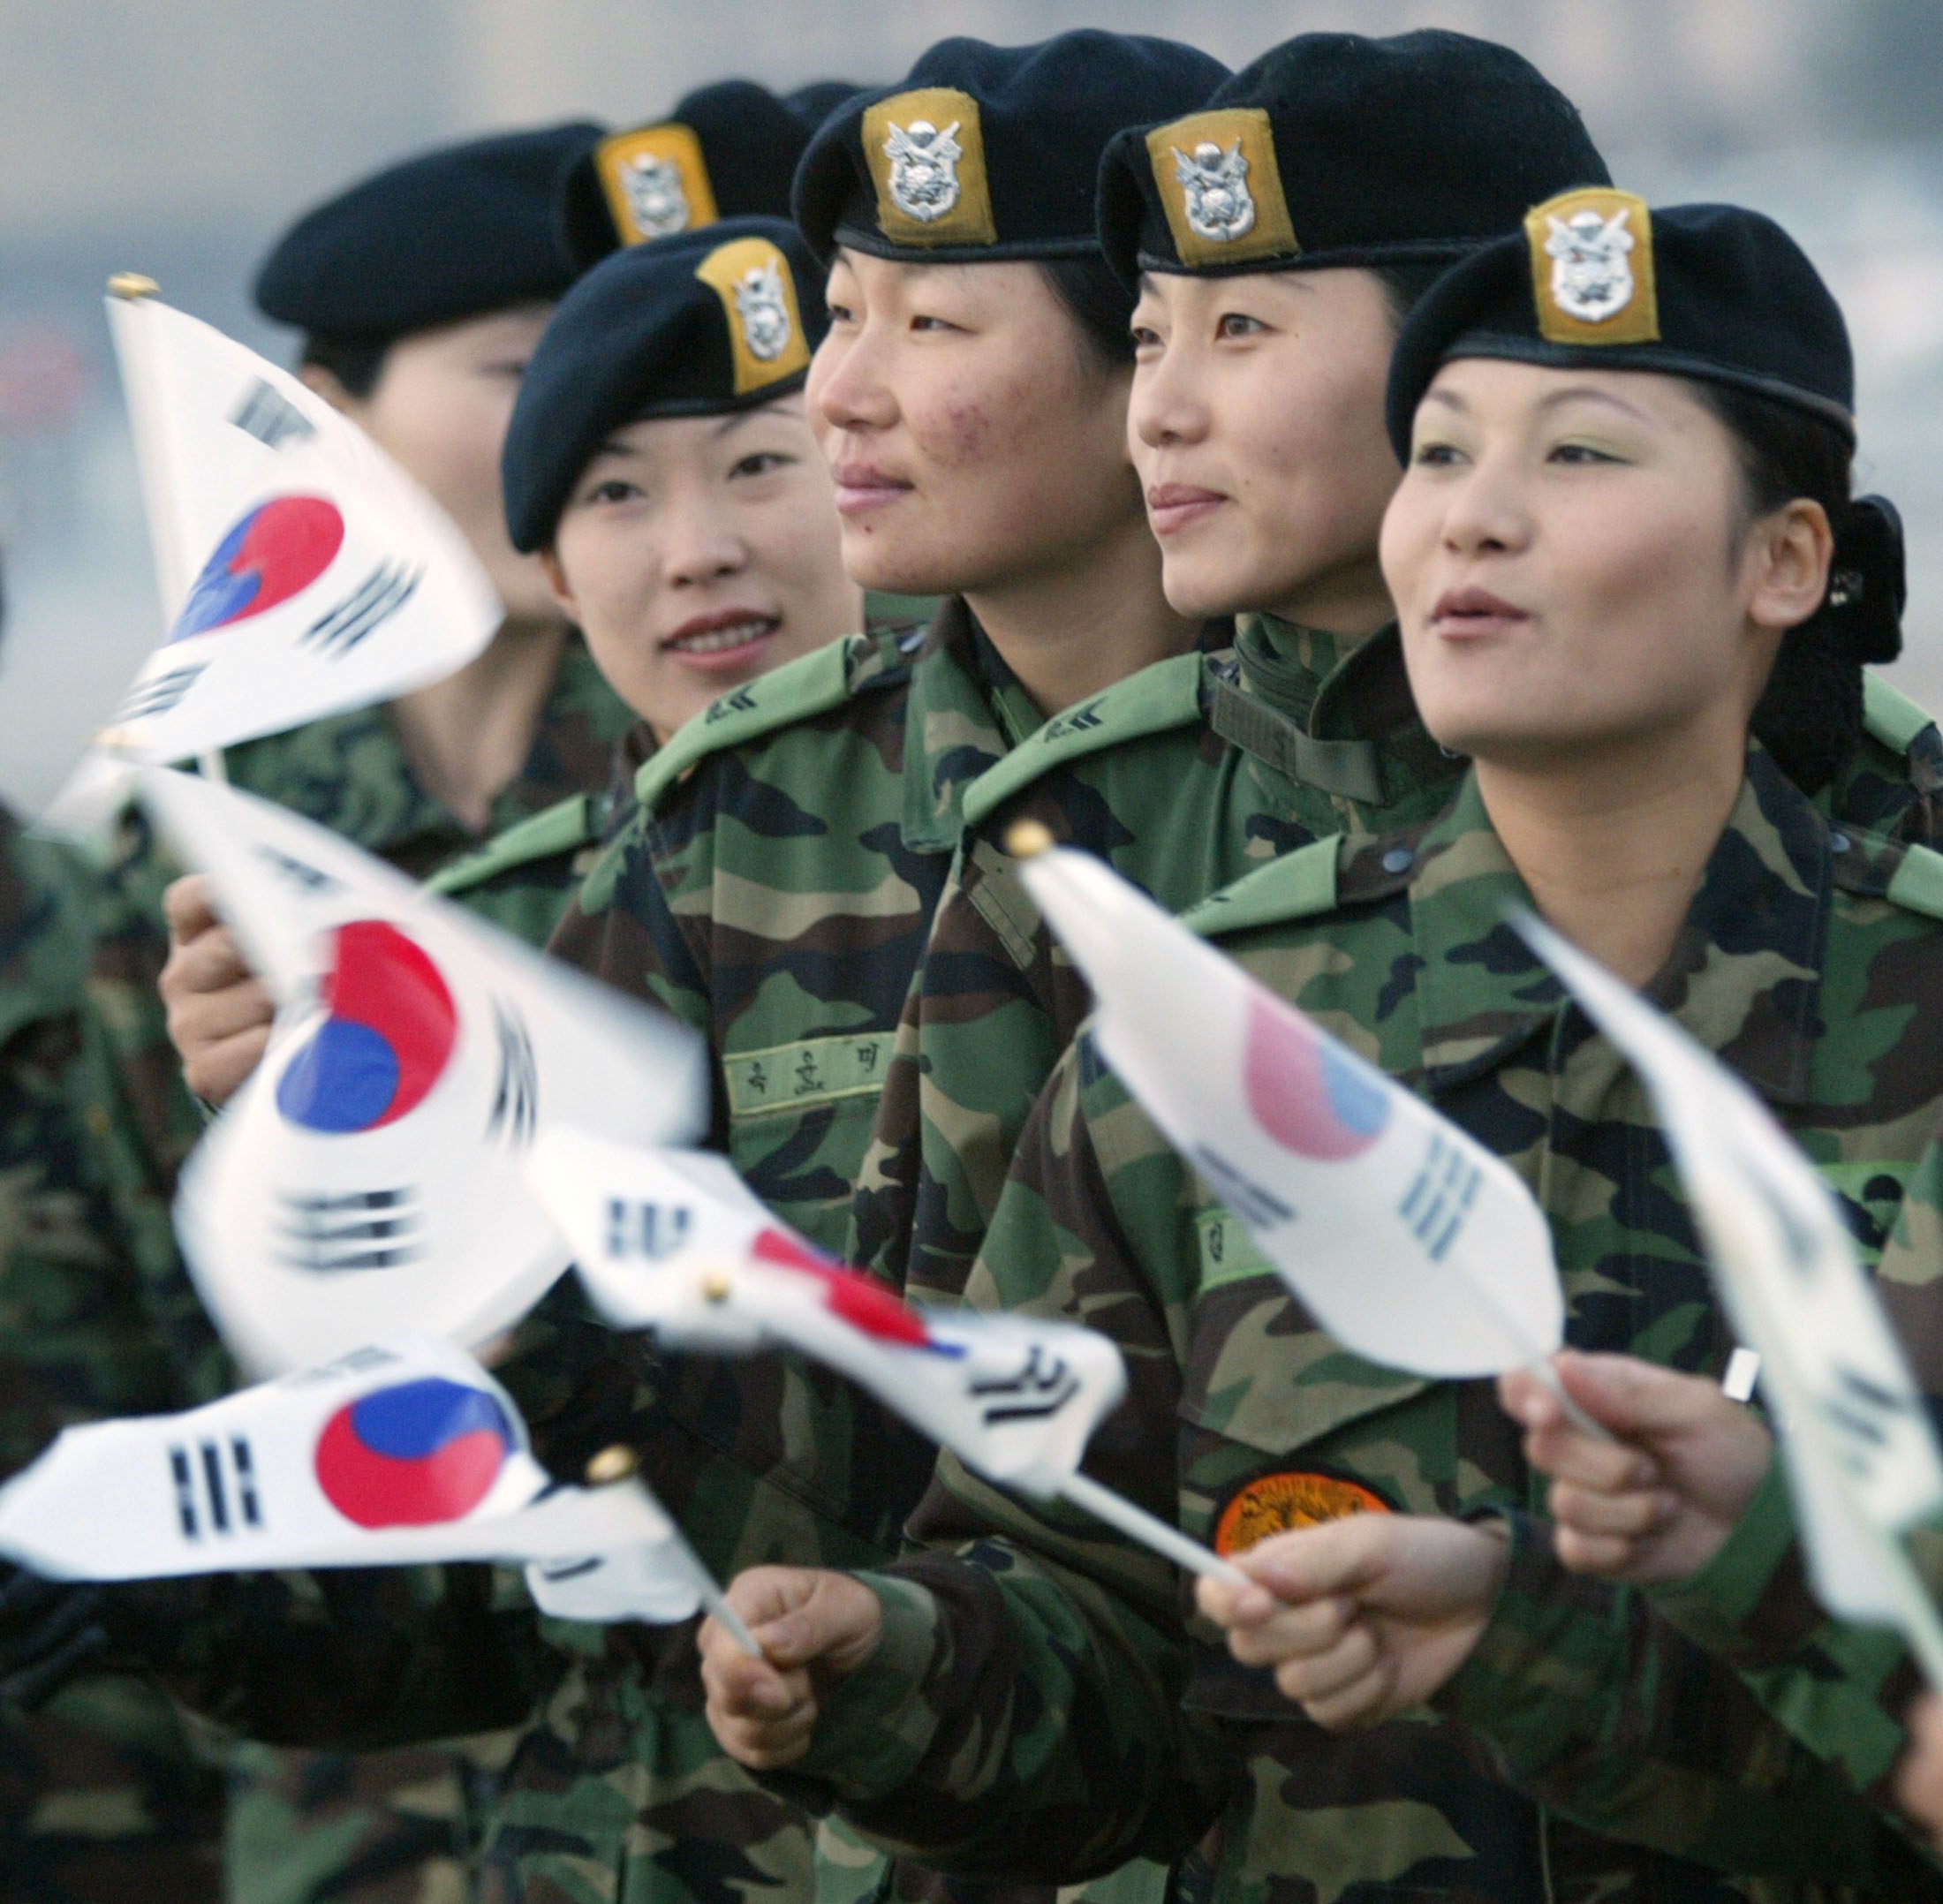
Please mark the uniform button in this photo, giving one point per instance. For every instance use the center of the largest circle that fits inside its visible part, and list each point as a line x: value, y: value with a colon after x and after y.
x: 1837, y: 843
x: 1398, y: 860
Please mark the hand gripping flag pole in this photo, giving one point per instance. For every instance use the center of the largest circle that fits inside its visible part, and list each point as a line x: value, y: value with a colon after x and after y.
x: 1413, y: 1244
x: 674, y: 1242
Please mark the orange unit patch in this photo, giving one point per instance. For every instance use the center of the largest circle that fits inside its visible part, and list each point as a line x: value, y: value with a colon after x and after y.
x: 1275, y: 1503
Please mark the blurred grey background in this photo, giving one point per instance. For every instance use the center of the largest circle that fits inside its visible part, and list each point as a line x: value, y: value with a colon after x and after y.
x: 177, y: 140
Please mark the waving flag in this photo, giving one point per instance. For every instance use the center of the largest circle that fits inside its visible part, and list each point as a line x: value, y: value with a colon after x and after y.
x: 674, y: 1242
x: 302, y: 572
x: 1863, y: 1459
x: 1411, y: 1242
x: 365, y: 1179
x: 404, y: 1452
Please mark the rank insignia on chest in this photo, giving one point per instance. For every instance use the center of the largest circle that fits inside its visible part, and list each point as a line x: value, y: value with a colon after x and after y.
x: 655, y: 182
x: 1275, y: 1504
x: 926, y: 151
x: 757, y: 291
x: 1592, y: 268
x: 1221, y: 188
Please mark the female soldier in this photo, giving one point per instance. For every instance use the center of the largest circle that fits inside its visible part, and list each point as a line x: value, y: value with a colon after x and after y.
x: 1628, y: 478
x: 775, y: 888
x: 661, y: 467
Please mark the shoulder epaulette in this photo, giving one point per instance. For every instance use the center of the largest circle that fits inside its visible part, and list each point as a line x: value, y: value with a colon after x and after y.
x: 1301, y: 884
x: 1917, y: 882
x: 798, y: 690
x: 1890, y: 715
x: 561, y: 828
x: 1165, y: 694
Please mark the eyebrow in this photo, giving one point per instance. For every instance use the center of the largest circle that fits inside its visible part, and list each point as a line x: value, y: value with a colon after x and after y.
x: 1572, y: 393
x: 736, y: 418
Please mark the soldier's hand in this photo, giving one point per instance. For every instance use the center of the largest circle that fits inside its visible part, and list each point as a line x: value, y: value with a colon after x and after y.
x: 1919, y: 1778
x: 219, y: 1016
x: 814, y: 1628
x: 1362, y: 1618
x: 1657, y: 1503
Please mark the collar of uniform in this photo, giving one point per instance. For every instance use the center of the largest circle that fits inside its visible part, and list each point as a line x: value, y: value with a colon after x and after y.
x: 1285, y: 664
x: 966, y: 710
x: 1744, y: 976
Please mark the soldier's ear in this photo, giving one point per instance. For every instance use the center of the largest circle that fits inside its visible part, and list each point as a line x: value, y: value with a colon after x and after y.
x: 556, y: 584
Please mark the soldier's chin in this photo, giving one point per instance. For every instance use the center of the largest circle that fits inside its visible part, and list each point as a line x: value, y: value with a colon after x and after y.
x: 870, y: 562
x: 1201, y: 588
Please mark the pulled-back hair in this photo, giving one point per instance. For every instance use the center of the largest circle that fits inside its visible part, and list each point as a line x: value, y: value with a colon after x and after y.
x: 1810, y: 713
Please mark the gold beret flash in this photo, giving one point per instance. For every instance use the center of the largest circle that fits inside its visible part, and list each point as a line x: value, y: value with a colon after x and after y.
x: 655, y: 181
x: 1592, y: 268
x: 1221, y: 188
x: 926, y: 150
x: 757, y: 291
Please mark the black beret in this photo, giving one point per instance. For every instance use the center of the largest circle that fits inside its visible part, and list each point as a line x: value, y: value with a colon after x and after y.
x: 451, y: 234
x: 727, y: 151
x: 985, y: 151
x: 816, y: 101
x: 1597, y: 281
x: 1337, y: 149
x: 706, y: 322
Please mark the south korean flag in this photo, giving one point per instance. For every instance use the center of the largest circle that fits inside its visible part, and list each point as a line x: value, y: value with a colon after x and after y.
x: 401, y: 1453
x: 302, y: 572
x: 367, y: 1178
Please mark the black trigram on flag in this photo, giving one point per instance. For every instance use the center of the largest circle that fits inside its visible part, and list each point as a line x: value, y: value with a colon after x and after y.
x: 271, y: 417
x: 649, y: 1229
x: 1041, y: 1386
x: 516, y: 1103
x: 298, y: 872
x: 215, y: 1487
x: 159, y: 695
x: 368, y: 608
x: 354, y: 1230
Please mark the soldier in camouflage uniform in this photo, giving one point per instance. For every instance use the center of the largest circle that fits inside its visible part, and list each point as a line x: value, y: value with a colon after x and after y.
x: 104, y: 1794
x: 1186, y: 780
x: 775, y: 888
x: 1045, y: 1696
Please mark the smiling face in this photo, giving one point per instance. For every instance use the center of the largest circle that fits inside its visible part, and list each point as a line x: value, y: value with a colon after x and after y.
x: 976, y: 438
x: 698, y: 552
x: 1575, y: 569
x: 1257, y: 427
x: 440, y: 408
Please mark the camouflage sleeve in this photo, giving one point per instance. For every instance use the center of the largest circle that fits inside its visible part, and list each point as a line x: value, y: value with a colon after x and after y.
x: 1024, y: 1717
x: 1600, y: 1708
x: 352, y: 1657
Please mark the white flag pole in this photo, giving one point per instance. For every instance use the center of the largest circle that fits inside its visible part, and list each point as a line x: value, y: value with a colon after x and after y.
x: 1149, y: 1529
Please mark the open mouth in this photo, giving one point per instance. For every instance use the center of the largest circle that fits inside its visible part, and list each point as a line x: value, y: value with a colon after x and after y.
x: 717, y: 638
